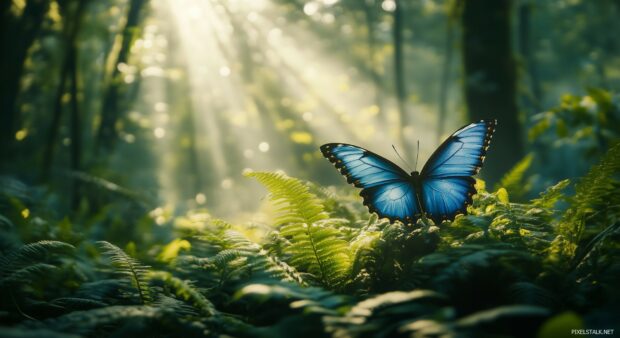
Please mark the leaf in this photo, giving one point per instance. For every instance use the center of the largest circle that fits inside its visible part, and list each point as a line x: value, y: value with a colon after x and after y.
x: 292, y: 198
x: 560, y: 325
x: 514, y: 181
x: 172, y: 249
x: 186, y: 291
x: 316, y: 245
x: 130, y: 267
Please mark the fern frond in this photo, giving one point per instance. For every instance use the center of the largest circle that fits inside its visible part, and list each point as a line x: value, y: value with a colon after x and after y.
x: 362, y: 247
x: 316, y: 245
x: 514, y: 180
x: 74, y: 303
x: 447, y: 267
x: 551, y: 196
x: 129, y: 267
x: 31, y: 253
x: 381, y: 315
x: 104, y: 289
x: 186, y: 291
x: 532, y: 294
x: 26, y: 274
x: 238, y: 255
x: 292, y: 198
x: 593, y: 207
x: 319, y: 250
x: 178, y: 306
x: 85, y: 322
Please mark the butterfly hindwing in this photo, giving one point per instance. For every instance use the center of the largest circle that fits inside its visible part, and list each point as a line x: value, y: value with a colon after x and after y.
x: 396, y: 201
x: 386, y: 188
x: 444, y: 198
x: 447, y: 182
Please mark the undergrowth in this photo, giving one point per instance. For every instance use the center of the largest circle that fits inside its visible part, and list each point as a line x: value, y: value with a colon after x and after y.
x: 324, y: 267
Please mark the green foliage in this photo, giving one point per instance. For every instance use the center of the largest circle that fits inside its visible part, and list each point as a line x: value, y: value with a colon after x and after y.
x: 129, y: 267
x: 514, y: 180
x: 320, y: 250
x: 118, y: 147
x: 326, y: 269
x: 294, y: 202
x: 593, y: 209
x: 574, y: 135
x: 27, y: 262
x: 316, y: 245
x: 592, y: 120
x: 185, y: 290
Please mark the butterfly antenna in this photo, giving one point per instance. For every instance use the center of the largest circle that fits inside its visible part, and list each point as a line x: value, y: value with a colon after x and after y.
x: 401, y: 158
x: 416, y: 156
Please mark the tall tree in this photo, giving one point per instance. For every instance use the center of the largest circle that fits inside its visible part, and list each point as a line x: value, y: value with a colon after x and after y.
x: 106, y: 134
x: 525, y: 50
x: 17, y: 34
x: 75, y: 117
x: 490, y: 78
x: 72, y: 15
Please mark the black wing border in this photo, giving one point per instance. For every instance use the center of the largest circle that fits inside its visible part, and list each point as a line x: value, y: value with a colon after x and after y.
x: 490, y: 126
x: 365, y: 192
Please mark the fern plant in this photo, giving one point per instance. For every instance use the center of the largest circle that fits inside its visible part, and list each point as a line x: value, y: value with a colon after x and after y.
x: 515, y: 181
x: 129, y: 267
x: 23, y: 264
x: 593, y: 208
x: 232, y: 256
x: 185, y: 290
x: 316, y: 245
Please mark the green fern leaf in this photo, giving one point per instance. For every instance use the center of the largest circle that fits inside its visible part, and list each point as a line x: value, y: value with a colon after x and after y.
x: 514, y: 181
x: 292, y: 198
x: 593, y: 207
x: 185, y: 290
x: 319, y: 250
x: 128, y: 266
x: 26, y: 274
x: 316, y: 245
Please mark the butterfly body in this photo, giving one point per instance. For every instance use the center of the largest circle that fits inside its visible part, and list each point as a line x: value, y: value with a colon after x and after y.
x: 443, y: 189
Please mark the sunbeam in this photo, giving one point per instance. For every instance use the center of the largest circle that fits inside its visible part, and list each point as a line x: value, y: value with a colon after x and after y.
x: 265, y: 93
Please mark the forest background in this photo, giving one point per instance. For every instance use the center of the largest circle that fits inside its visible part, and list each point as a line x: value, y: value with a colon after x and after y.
x: 137, y: 138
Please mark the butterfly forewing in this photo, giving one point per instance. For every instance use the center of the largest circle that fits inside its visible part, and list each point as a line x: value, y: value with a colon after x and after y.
x: 361, y: 167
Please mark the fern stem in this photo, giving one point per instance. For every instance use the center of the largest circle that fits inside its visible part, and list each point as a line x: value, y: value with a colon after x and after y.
x: 318, y: 259
x: 135, y: 277
x: 19, y: 309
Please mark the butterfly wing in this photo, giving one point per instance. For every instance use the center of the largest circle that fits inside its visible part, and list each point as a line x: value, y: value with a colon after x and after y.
x: 386, y: 188
x: 447, y: 183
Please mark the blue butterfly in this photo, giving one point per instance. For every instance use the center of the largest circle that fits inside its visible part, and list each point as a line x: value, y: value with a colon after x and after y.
x: 443, y: 189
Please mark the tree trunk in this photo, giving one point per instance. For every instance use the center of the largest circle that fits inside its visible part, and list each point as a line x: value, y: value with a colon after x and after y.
x: 399, y: 78
x: 106, y: 134
x: 490, y: 79
x: 76, y: 127
x: 70, y: 33
x: 525, y: 18
x: 17, y: 34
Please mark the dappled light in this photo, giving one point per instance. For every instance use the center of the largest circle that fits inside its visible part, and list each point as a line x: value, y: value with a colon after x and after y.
x: 309, y: 168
